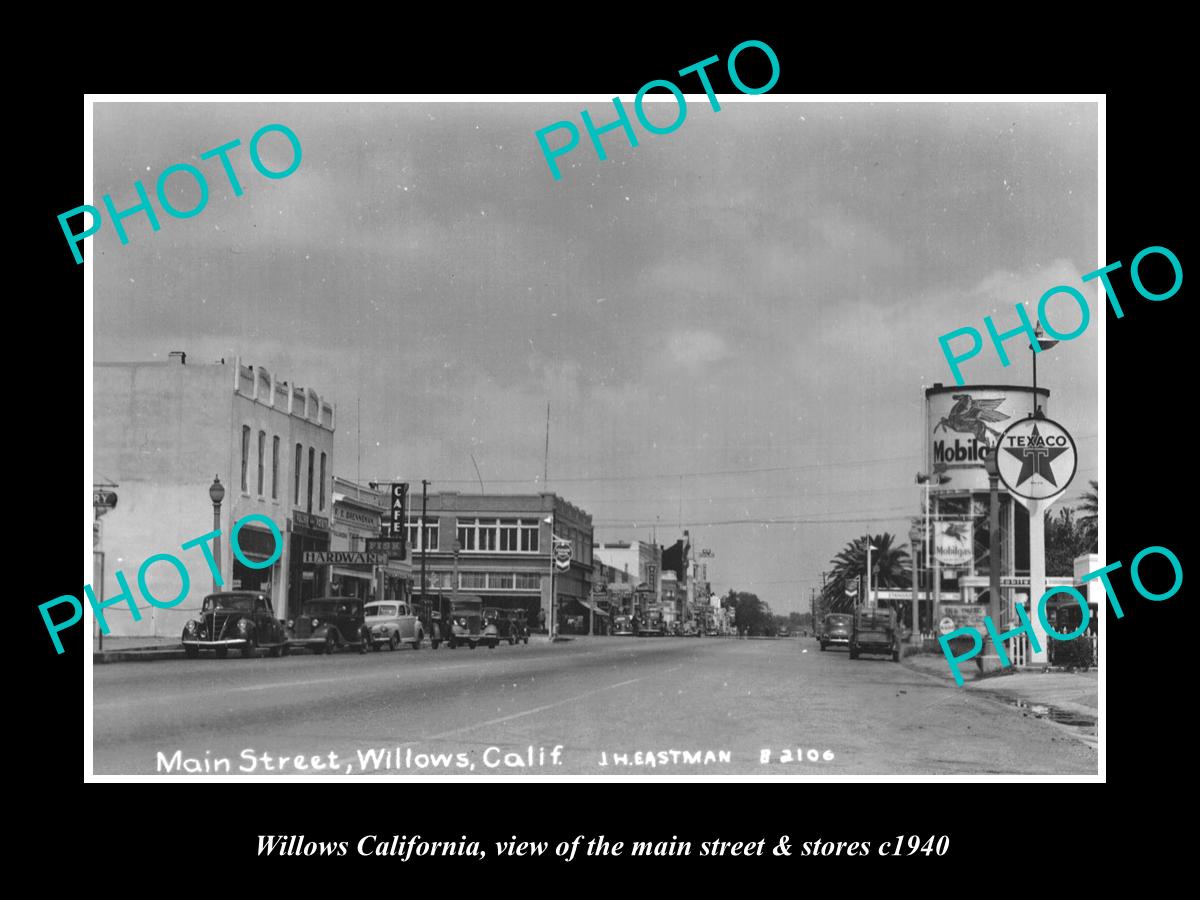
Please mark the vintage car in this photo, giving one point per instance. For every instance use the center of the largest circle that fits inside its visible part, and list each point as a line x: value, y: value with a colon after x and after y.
x: 875, y: 631
x: 467, y: 625
x: 327, y: 623
x: 622, y: 626
x: 392, y: 623
x: 243, y: 620
x: 836, y: 629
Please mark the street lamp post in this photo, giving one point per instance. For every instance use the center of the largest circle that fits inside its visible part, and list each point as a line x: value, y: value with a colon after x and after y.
x: 216, y: 493
x: 991, y: 661
x: 553, y: 600
x: 870, y: 603
x: 914, y: 536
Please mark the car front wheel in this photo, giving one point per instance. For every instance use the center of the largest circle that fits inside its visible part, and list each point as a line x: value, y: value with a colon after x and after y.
x: 330, y: 644
x: 394, y: 642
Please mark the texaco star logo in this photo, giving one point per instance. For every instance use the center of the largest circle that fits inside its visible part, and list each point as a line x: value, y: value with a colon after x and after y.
x: 1037, y: 458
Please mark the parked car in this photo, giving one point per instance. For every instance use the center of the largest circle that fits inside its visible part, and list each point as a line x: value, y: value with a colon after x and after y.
x: 836, y: 629
x: 622, y: 626
x: 875, y: 632
x: 243, y: 620
x: 468, y: 626
x: 327, y: 623
x: 392, y: 623
x: 784, y: 632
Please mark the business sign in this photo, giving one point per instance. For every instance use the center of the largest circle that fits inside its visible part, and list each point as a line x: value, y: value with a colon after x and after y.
x: 315, y: 523
x: 562, y: 553
x: 946, y: 625
x: 390, y: 547
x: 953, y: 544
x: 966, y: 615
x: 1037, y: 459
x: 652, y: 576
x: 103, y: 501
x: 1013, y: 581
x: 359, y: 517
x: 345, y: 558
x: 399, y: 503
x: 965, y: 422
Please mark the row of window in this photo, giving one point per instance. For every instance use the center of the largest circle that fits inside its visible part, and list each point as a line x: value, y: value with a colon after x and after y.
x: 486, y: 581
x: 498, y: 535
x: 299, y: 466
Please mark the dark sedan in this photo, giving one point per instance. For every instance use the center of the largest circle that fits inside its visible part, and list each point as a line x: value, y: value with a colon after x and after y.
x: 328, y: 623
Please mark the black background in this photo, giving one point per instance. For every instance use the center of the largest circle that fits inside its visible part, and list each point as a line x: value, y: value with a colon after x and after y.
x: 126, y: 833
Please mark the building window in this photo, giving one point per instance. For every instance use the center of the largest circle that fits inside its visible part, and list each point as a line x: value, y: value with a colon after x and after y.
x: 475, y: 581
x: 489, y: 531
x: 527, y: 581
x: 509, y: 535
x: 529, y: 537
x: 275, y: 467
x: 412, y: 523
x: 299, y: 466
x: 466, y: 534
x: 500, y: 581
x: 262, y: 452
x: 312, y: 453
x: 245, y: 457
x: 322, y: 482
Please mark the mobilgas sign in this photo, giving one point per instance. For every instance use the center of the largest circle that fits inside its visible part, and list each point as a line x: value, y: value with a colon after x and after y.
x: 965, y: 422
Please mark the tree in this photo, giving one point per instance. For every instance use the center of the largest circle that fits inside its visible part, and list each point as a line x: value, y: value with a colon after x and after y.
x: 1089, y: 512
x: 1066, y: 539
x: 891, y: 567
x: 750, y: 615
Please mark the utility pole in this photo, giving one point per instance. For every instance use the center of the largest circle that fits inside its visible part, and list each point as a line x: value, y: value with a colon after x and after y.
x: 423, y: 536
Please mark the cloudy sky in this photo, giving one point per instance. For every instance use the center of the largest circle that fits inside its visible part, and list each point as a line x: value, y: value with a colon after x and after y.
x: 733, y: 323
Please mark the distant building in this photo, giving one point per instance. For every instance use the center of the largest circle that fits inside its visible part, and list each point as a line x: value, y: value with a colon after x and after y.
x: 161, y: 432
x: 504, y: 554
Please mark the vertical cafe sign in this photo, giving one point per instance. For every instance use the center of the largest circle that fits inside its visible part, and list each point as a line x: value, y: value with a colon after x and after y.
x: 399, y: 504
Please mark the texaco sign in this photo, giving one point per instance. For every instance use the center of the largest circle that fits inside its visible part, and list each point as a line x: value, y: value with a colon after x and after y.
x: 1037, y: 459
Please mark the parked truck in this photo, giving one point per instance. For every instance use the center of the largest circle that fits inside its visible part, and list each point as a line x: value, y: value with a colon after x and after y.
x: 875, y: 632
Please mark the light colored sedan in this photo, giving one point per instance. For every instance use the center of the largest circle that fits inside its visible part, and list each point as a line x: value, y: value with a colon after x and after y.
x: 392, y: 623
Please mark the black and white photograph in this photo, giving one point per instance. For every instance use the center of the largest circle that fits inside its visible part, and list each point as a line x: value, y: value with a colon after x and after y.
x: 743, y: 436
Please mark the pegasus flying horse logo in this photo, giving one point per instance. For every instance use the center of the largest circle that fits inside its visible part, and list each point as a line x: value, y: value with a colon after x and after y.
x: 971, y: 416
x: 955, y: 530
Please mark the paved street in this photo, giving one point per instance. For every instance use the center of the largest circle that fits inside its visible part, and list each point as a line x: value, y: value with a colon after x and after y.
x: 602, y: 700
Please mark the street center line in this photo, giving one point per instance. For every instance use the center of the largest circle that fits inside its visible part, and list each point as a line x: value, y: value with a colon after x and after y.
x: 538, y: 709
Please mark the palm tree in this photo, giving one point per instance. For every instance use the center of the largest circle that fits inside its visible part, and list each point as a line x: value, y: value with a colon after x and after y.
x: 1089, y: 511
x: 890, y: 564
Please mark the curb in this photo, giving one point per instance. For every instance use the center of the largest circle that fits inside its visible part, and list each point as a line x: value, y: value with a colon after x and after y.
x: 147, y: 655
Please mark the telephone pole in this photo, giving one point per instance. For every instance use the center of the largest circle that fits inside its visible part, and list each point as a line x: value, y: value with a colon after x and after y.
x: 423, y: 536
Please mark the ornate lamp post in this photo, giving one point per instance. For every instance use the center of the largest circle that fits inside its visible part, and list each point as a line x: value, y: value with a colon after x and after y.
x: 216, y: 493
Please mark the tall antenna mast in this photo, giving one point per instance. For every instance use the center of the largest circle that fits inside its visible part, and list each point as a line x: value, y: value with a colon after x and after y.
x: 546, y: 458
x: 358, y: 475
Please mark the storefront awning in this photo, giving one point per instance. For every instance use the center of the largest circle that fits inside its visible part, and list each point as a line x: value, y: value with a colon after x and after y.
x: 589, y: 605
x: 353, y: 573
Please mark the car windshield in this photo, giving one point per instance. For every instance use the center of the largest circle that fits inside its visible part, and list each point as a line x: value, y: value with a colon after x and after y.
x: 319, y: 607
x: 381, y: 610
x: 241, y: 603
x: 838, y: 620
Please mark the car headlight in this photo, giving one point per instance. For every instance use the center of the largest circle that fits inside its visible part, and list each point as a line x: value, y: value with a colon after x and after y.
x: 190, y: 628
x: 291, y: 623
x: 316, y: 622
x: 243, y: 626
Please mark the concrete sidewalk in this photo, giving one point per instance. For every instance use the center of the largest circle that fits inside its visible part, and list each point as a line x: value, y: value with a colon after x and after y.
x: 1076, y: 693
x: 134, y: 649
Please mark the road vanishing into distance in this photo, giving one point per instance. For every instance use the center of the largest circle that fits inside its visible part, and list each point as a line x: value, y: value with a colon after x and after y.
x: 599, y: 707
